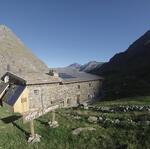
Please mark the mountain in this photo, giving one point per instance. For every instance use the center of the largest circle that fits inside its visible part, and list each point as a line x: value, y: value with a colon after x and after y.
x: 75, y: 65
x: 128, y: 73
x: 15, y: 56
x: 90, y: 66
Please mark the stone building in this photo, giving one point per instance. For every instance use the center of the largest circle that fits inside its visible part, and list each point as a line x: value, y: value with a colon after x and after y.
x: 39, y: 91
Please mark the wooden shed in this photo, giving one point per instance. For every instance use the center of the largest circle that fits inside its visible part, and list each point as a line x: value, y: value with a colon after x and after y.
x: 13, y: 92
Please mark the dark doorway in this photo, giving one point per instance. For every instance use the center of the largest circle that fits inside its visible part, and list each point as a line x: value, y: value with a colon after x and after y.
x: 78, y: 99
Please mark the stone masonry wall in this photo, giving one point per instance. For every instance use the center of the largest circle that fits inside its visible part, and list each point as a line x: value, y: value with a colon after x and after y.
x: 42, y: 96
x: 83, y: 91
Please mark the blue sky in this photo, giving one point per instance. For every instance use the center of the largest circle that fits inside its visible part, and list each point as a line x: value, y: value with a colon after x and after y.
x: 61, y: 32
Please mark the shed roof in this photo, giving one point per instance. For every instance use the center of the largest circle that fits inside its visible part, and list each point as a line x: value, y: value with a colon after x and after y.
x: 69, y: 75
x: 13, y: 93
x: 13, y: 78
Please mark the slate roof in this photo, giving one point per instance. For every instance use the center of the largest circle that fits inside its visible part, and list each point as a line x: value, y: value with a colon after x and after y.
x: 33, y: 78
x: 39, y: 78
x: 66, y: 75
x: 69, y: 75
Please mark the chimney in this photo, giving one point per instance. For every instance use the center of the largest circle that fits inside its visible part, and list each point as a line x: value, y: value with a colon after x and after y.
x: 53, y: 73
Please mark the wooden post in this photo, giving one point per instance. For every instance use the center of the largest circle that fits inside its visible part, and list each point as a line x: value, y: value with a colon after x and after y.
x: 53, y: 116
x: 32, y: 128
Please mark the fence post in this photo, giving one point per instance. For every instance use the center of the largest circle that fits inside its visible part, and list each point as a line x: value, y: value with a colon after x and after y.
x: 53, y: 115
x: 32, y: 128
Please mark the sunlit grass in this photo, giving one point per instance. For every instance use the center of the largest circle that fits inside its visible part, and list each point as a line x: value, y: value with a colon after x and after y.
x: 14, y: 135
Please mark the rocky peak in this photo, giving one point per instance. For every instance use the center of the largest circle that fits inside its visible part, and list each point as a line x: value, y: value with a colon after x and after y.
x: 75, y: 65
x: 15, y: 56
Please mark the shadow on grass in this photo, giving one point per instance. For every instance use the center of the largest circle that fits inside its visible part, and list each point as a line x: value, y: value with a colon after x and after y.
x: 10, y: 119
x: 27, y: 134
x: 42, y: 122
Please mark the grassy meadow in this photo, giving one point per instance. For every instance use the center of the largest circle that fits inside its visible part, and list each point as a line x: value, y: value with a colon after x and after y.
x: 14, y: 134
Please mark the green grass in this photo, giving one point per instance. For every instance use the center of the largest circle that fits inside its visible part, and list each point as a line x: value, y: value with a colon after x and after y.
x: 14, y: 135
x: 126, y: 101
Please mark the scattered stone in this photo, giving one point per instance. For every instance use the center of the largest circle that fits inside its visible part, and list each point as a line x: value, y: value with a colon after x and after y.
x: 122, y: 108
x: 79, y: 130
x: 147, y: 122
x: 34, y: 139
x: 86, y: 107
x: 117, y: 121
x: 92, y: 119
x: 100, y: 118
x: 77, y: 117
x: 112, y: 110
x: 105, y: 108
x: 53, y: 124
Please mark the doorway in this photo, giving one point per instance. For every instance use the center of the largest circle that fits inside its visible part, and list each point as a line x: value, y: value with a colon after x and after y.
x: 78, y: 99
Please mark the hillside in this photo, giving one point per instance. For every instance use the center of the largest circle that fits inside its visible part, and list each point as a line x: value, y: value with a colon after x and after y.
x: 128, y: 73
x: 15, y: 56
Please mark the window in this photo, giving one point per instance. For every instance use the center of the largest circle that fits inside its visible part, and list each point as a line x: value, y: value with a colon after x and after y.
x: 23, y: 100
x: 90, y: 85
x: 36, y: 92
x: 78, y: 86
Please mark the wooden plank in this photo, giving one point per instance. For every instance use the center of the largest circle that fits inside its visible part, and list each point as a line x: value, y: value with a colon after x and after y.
x: 32, y: 128
x: 31, y: 115
x: 53, y: 116
x: 4, y: 87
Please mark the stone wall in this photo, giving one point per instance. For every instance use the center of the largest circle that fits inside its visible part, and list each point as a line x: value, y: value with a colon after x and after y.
x: 83, y: 91
x: 43, y: 96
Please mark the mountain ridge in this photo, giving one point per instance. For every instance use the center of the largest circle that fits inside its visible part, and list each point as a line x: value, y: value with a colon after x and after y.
x: 128, y: 73
x: 87, y: 67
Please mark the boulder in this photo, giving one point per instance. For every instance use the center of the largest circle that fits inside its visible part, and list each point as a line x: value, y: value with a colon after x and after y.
x: 147, y: 122
x: 100, y: 118
x: 53, y: 124
x: 34, y: 139
x: 117, y: 121
x: 79, y: 130
x: 92, y: 119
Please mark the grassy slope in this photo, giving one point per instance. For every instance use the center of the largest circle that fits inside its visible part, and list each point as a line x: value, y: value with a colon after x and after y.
x: 13, y: 135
